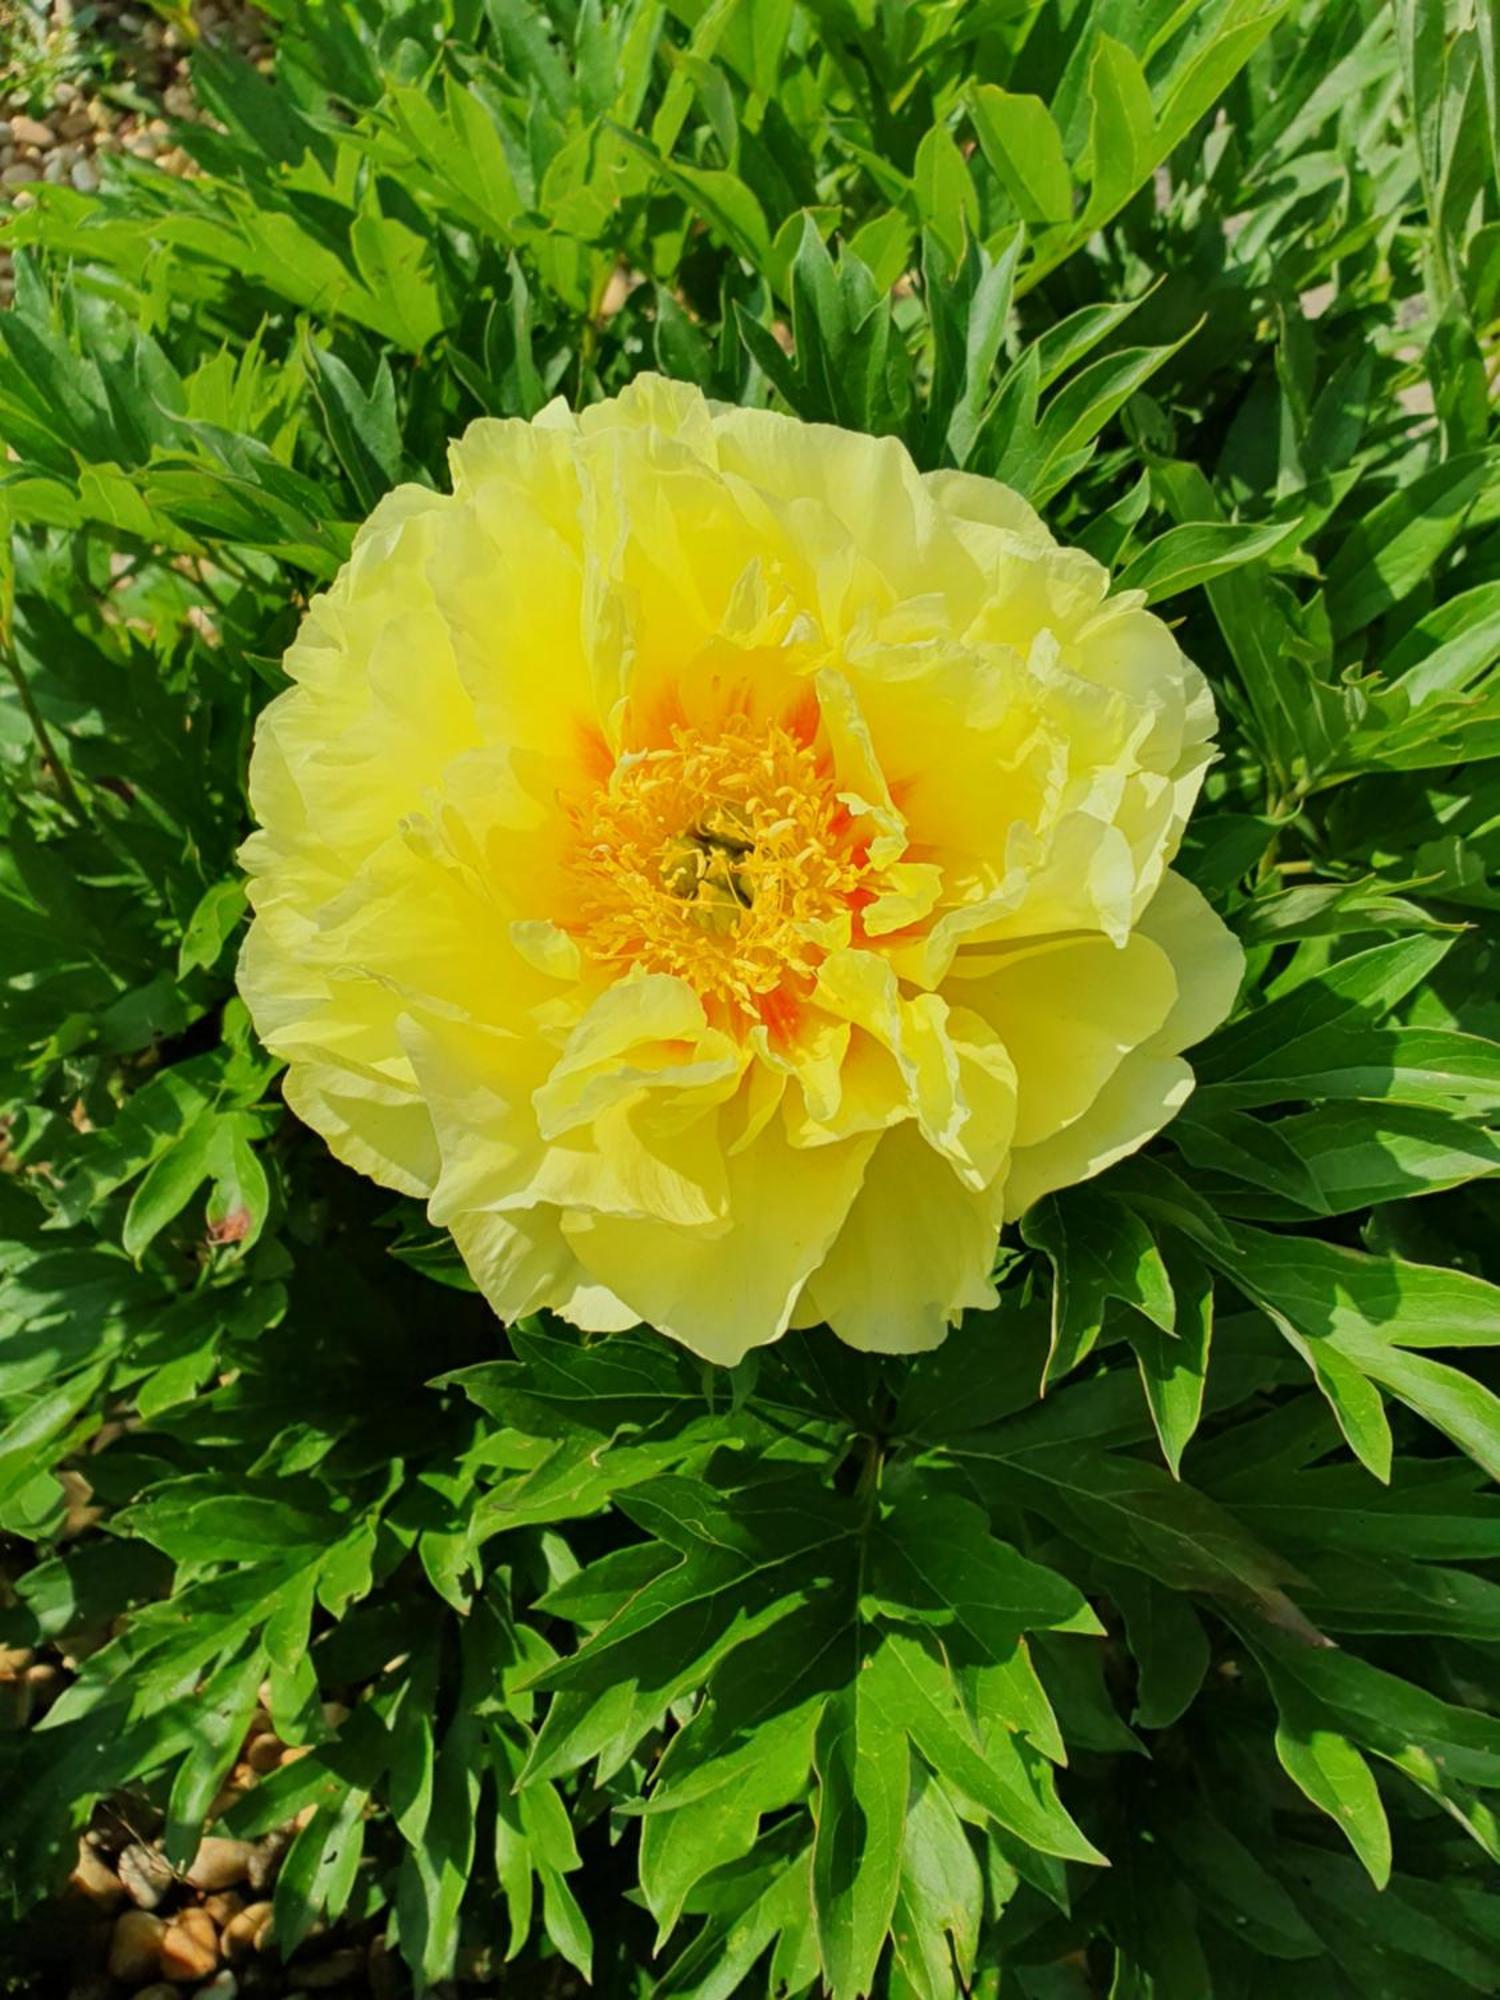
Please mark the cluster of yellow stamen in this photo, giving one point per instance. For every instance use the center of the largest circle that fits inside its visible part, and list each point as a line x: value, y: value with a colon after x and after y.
x: 722, y: 857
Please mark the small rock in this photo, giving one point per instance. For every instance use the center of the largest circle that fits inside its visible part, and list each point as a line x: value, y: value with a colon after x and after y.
x: 224, y: 1986
x: 4, y: 131
x: 85, y: 176
x: 249, y: 1931
x: 94, y: 1878
x: 19, y: 174
x: 265, y: 1859
x: 135, y: 1947
x: 264, y: 1753
x: 335, y: 1714
x: 32, y: 132
x: 296, y: 1751
x: 55, y: 169
x: 77, y: 123
x: 333, y: 1970
x: 190, y: 1946
x: 224, y: 1907
x: 146, y: 1873
x: 220, y: 1864
x: 65, y: 92
x: 14, y: 1660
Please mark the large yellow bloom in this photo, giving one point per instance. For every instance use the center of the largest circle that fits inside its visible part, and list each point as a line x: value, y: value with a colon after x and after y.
x: 724, y: 871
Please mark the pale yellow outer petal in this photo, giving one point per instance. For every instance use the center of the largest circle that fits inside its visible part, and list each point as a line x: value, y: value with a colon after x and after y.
x: 1144, y: 1094
x: 916, y: 1252
x: 723, y: 1291
x: 1151, y: 1083
x: 522, y: 1264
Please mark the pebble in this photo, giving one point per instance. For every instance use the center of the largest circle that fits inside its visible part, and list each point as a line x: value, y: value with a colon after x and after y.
x: 14, y: 1660
x: 248, y: 1931
x: 55, y: 170
x: 85, y: 176
x: 94, y: 1878
x: 264, y: 1752
x: 5, y: 130
x: 135, y: 1947
x: 224, y: 1907
x: 265, y: 1859
x: 19, y: 174
x: 224, y: 1986
x: 146, y: 1874
x: 220, y: 1864
x: 32, y: 132
x: 190, y: 1946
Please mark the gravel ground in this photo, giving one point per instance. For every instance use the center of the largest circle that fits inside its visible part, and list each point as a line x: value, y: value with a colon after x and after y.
x: 112, y: 80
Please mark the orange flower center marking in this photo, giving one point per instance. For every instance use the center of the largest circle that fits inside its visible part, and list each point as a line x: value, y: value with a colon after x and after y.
x: 725, y: 859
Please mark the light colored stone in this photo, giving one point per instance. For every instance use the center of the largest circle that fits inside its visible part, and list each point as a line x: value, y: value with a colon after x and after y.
x: 93, y: 1878
x: 85, y: 176
x: 135, y: 1947
x: 146, y: 1874
x: 249, y: 1931
x: 14, y: 1660
x: 32, y: 132
x: 221, y: 1864
x: 224, y: 1907
x: 190, y: 1946
x: 20, y: 174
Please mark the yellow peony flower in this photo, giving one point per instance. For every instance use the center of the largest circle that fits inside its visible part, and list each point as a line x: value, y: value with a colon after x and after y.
x: 724, y: 871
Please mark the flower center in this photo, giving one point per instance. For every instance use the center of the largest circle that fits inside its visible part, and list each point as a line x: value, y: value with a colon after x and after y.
x: 726, y: 859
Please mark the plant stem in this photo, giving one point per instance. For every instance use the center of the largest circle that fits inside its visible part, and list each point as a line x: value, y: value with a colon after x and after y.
x: 61, y: 777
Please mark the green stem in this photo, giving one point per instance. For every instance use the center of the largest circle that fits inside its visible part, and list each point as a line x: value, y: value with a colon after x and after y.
x: 60, y: 774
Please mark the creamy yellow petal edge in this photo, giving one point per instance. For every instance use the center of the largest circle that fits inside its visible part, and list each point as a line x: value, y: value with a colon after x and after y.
x: 725, y: 871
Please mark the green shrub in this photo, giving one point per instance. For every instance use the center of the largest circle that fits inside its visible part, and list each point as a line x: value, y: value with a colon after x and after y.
x: 831, y: 1673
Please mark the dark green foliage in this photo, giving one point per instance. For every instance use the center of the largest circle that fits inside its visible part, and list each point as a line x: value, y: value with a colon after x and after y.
x: 834, y: 1673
